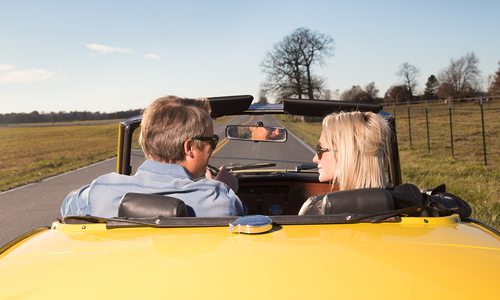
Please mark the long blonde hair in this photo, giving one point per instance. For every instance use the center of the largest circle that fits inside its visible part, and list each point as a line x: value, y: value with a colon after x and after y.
x: 362, y: 141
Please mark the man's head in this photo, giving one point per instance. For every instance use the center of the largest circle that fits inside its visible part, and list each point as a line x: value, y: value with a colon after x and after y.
x: 170, y: 129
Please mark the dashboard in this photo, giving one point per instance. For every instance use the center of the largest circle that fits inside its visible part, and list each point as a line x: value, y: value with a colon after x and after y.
x: 279, y: 194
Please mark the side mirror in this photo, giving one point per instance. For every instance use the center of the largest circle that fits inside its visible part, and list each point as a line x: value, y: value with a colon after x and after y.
x: 256, y: 133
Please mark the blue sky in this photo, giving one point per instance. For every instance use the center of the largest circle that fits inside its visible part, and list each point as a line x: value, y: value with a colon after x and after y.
x: 117, y: 55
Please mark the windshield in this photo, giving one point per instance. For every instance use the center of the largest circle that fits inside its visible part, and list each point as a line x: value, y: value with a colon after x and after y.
x: 294, y: 153
x: 286, y: 155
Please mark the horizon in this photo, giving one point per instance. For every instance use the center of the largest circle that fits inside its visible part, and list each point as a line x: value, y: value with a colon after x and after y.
x: 122, y: 55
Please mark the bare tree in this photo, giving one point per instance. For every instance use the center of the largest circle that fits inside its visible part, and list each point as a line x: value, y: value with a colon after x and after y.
x: 358, y: 94
x: 494, y: 86
x: 289, y: 65
x: 371, y: 90
x: 262, y: 95
x: 397, y: 93
x: 461, y: 78
x: 326, y: 94
x: 408, y: 74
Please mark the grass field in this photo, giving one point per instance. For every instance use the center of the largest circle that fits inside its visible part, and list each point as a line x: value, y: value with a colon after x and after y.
x: 465, y: 173
x: 31, y: 153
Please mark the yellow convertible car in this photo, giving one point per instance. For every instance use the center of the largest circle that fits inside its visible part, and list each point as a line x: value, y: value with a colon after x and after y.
x: 365, y: 246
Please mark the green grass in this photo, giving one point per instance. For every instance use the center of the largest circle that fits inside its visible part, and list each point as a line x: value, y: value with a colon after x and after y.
x: 464, y: 173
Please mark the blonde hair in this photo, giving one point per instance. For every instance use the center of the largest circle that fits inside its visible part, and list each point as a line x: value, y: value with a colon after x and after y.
x: 362, y: 141
x: 168, y: 122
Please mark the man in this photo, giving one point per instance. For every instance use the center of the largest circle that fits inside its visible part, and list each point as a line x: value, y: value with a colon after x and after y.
x: 177, y: 139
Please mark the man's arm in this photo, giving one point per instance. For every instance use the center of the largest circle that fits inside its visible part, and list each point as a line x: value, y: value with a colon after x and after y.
x: 225, y: 176
x: 76, y: 203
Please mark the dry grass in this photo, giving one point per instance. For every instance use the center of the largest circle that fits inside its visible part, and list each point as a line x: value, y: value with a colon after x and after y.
x: 29, y: 154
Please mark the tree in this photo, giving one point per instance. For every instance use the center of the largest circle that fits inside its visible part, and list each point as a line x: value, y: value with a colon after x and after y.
x: 326, y: 95
x: 408, y: 74
x: 358, y: 94
x: 494, y: 88
x: 289, y: 65
x: 398, y: 93
x: 461, y: 78
x: 431, y: 88
x: 262, y: 94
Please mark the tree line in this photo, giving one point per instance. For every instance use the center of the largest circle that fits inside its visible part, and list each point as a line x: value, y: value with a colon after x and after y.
x: 289, y: 69
x: 36, y: 117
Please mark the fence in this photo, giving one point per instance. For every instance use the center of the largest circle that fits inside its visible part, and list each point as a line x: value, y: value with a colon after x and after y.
x: 463, y: 128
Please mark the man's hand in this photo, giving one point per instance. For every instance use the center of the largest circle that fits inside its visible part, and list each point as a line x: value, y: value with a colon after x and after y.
x: 225, y: 176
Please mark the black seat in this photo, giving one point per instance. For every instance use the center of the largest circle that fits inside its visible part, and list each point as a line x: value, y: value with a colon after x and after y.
x: 359, y: 201
x: 135, y: 205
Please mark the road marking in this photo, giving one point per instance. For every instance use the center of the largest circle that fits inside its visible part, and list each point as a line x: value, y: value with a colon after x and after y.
x: 225, y: 140
x: 221, y: 144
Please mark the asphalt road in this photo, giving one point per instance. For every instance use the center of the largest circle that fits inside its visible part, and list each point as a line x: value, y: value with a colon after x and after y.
x: 38, y: 204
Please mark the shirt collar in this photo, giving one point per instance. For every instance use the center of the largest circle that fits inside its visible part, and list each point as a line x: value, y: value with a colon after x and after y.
x: 162, y: 168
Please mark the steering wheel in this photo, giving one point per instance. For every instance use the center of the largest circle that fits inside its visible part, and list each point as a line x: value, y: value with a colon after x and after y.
x: 214, y: 170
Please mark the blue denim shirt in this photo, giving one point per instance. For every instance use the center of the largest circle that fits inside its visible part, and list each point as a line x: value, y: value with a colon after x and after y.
x: 207, y: 197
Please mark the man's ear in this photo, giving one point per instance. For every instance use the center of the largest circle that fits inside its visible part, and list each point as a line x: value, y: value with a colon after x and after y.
x: 188, y: 148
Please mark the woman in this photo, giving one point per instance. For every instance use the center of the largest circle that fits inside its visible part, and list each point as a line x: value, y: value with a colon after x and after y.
x: 353, y: 153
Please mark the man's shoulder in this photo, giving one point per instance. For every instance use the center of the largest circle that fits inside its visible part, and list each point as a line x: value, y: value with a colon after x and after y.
x: 112, y: 177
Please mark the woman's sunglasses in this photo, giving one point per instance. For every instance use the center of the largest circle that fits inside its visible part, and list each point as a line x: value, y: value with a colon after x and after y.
x: 320, y: 150
x: 212, y: 140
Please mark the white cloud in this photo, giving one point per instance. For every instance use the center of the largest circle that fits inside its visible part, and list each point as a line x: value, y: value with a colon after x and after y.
x: 25, y: 76
x: 4, y: 67
x: 151, y: 56
x: 104, y: 50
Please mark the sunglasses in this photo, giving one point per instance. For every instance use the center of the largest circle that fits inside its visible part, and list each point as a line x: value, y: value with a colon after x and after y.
x: 320, y: 150
x: 212, y: 140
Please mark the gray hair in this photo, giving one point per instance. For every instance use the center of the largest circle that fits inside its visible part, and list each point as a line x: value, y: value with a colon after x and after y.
x: 167, y: 123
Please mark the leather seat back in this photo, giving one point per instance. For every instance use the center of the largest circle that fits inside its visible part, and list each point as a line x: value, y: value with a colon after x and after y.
x: 135, y: 205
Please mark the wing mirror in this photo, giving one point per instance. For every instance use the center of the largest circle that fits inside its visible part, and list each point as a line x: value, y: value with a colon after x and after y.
x: 258, y: 133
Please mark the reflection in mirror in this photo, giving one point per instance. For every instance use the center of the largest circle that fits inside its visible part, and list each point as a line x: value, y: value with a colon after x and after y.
x: 256, y: 133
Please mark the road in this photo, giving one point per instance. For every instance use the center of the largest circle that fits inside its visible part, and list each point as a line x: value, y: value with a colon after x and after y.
x: 38, y: 204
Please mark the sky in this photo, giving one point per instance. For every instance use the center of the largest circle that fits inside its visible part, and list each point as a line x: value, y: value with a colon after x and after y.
x: 108, y: 56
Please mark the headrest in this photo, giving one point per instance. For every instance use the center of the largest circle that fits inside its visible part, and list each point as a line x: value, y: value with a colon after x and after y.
x: 359, y: 201
x: 406, y: 195
x: 135, y: 205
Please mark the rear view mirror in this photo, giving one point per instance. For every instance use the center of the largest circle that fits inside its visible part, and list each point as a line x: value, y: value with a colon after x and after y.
x: 256, y: 133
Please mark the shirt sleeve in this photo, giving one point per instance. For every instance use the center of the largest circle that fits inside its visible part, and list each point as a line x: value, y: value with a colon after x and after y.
x: 239, y: 209
x: 77, y: 203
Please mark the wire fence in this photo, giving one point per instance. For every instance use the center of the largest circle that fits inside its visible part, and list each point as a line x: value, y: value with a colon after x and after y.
x: 462, y: 128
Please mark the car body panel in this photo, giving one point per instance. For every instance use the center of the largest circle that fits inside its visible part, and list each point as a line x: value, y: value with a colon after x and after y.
x: 437, y: 258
